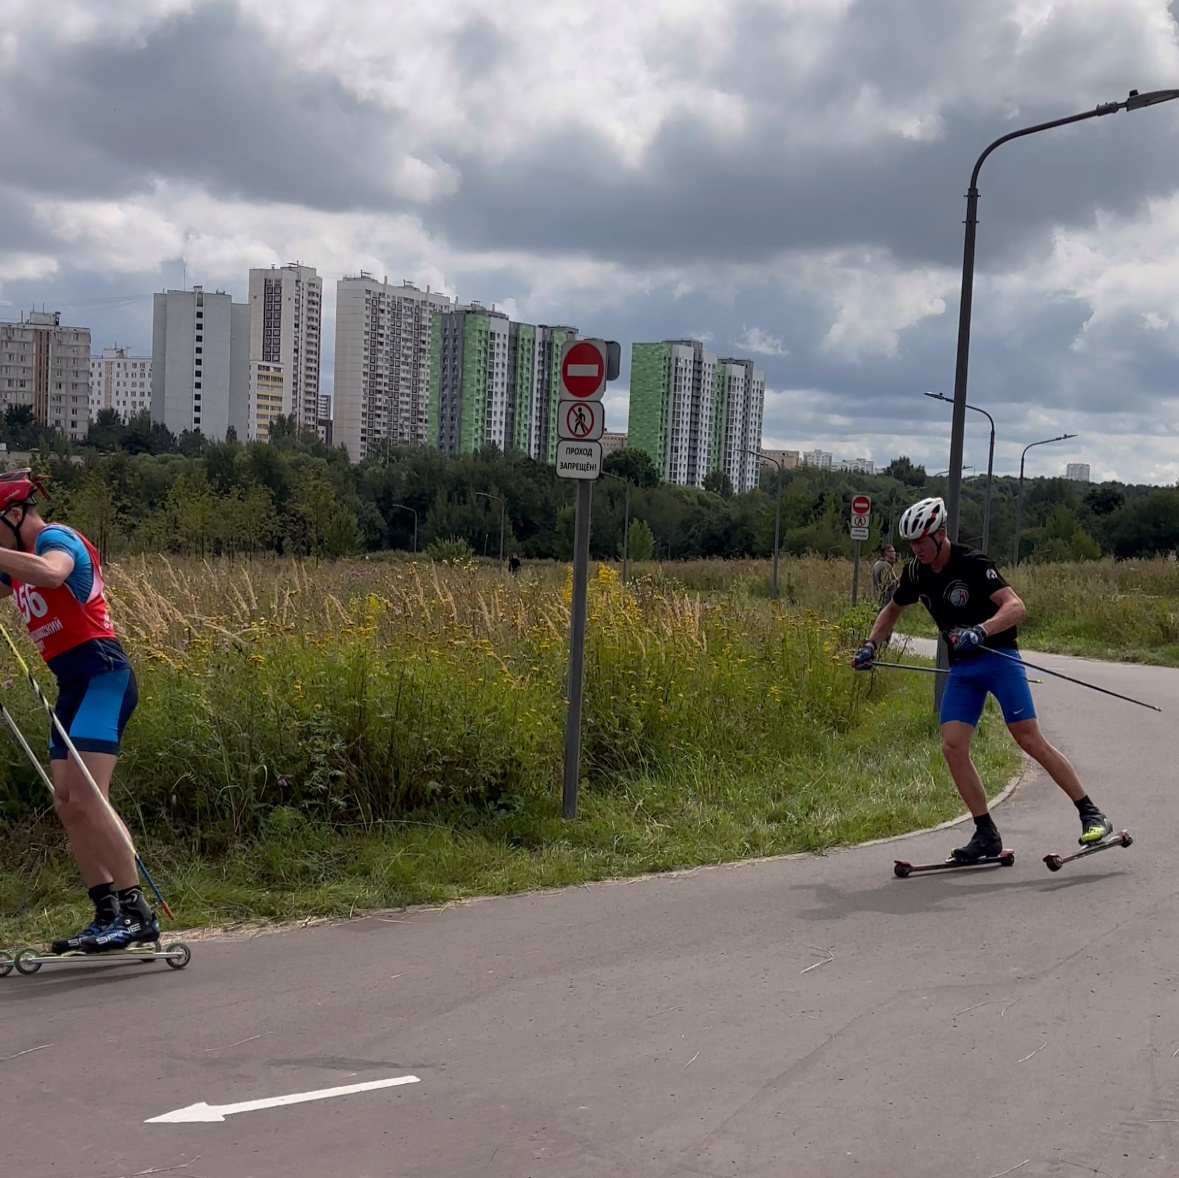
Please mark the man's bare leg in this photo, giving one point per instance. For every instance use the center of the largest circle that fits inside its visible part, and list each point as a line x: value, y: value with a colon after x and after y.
x: 956, y: 736
x: 1033, y: 742
x: 99, y: 849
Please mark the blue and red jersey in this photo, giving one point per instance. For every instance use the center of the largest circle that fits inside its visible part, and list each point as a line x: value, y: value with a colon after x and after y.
x: 76, y: 611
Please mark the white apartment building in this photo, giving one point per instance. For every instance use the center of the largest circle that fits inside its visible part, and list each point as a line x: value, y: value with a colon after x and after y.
x: 1077, y: 471
x: 691, y: 410
x: 121, y: 382
x: 381, y: 393
x: 741, y: 390
x: 324, y: 424
x: 856, y: 465
x: 286, y: 306
x: 820, y: 458
x: 47, y: 367
x: 200, y: 372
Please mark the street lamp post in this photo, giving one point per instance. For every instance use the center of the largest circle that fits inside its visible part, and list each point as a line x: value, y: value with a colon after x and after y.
x: 1019, y: 501
x: 1134, y: 101
x: 986, y: 532
x: 777, y: 514
x: 502, y: 508
x: 406, y: 507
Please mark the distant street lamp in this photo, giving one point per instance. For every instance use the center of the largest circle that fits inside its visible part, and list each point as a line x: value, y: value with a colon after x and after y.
x: 777, y: 514
x: 986, y: 536
x: 502, y: 508
x: 1134, y: 101
x: 1019, y: 501
x: 406, y: 507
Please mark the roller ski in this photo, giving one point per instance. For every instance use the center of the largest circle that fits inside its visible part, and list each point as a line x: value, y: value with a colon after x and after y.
x: 1123, y: 838
x: 985, y: 849
x: 29, y: 961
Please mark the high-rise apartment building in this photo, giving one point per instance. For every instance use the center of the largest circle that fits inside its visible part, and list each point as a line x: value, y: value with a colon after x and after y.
x: 1078, y: 471
x: 741, y: 394
x: 200, y: 373
x: 494, y: 381
x: 694, y: 414
x: 47, y: 367
x: 121, y: 382
x: 286, y: 306
x: 381, y: 393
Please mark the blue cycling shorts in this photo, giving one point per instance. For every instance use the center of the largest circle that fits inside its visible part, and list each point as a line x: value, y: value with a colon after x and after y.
x: 94, y: 712
x: 969, y: 681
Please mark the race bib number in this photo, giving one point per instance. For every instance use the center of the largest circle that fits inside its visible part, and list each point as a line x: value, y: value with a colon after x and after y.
x: 30, y: 603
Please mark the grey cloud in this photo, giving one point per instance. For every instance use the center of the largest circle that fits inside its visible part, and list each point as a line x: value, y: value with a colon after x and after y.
x: 205, y: 99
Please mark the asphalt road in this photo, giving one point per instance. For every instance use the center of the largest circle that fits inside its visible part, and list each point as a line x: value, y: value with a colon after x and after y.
x: 801, y: 1016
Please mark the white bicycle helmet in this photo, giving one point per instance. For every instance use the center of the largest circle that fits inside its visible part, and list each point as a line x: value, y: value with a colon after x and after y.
x: 922, y: 518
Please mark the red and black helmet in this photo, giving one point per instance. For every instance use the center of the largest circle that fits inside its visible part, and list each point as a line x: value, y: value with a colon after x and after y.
x: 19, y: 488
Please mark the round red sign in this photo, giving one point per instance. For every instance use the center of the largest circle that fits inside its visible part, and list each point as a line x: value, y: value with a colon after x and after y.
x: 861, y: 505
x: 583, y: 371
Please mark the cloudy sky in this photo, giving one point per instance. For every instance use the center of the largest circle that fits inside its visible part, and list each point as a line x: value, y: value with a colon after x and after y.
x: 782, y: 178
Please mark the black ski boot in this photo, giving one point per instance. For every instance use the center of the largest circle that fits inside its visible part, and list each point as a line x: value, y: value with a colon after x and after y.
x: 986, y: 844
x: 74, y: 944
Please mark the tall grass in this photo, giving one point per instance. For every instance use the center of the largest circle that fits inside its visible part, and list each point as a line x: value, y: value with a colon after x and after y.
x: 313, y: 739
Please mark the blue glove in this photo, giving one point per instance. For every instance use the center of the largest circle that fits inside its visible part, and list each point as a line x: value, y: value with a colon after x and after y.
x: 863, y: 658
x: 968, y: 640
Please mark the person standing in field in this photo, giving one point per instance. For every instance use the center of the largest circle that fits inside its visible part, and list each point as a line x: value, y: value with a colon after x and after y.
x: 977, y: 612
x: 53, y: 573
x: 883, y: 577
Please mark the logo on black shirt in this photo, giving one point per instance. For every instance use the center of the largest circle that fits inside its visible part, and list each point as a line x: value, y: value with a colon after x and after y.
x: 957, y: 594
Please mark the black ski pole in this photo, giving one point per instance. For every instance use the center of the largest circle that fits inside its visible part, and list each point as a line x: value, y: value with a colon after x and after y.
x: 928, y: 670
x: 1070, y: 679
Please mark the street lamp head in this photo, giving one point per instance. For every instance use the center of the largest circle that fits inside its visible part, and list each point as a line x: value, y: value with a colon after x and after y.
x: 938, y: 396
x: 1137, y: 101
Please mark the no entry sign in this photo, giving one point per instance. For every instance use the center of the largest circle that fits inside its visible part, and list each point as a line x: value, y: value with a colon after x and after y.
x: 861, y: 505
x: 580, y: 421
x: 583, y: 370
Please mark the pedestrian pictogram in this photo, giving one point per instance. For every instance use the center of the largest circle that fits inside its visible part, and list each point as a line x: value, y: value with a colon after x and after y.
x: 580, y: 421
x: 583, y: 369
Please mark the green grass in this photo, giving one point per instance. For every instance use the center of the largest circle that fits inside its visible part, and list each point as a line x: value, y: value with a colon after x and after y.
x: 881, y: 777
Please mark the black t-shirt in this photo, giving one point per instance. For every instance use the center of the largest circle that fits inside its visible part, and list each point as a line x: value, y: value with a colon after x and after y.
x: 958, y: 596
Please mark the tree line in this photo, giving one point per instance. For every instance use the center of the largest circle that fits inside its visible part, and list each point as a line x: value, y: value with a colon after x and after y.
x: 135, y: 487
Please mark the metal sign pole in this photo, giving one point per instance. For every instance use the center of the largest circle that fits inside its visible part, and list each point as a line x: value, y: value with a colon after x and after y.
x: 856, y: 575
x: 581, y: 537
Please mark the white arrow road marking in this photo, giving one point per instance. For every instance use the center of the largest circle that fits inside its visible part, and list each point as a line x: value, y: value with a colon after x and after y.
x: 218, y: 1112
x: 583, y: 369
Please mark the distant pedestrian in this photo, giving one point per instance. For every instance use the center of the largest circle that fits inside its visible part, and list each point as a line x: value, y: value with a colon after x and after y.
x: 514, y: 563
x: 884, y: 579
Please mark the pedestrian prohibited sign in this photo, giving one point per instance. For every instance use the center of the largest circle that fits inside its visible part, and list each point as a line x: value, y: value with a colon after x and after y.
x: 580, y: 421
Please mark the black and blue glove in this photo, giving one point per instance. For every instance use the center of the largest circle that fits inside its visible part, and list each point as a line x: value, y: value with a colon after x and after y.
x: 863, y: 658
x: 968, y: 640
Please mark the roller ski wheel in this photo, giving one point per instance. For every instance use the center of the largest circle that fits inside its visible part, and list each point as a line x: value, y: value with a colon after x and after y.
x: 177, y: 955
x: 6, y: 964
x: 27, y: 961
x: 902, y: 868
x: 1123, y: 838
